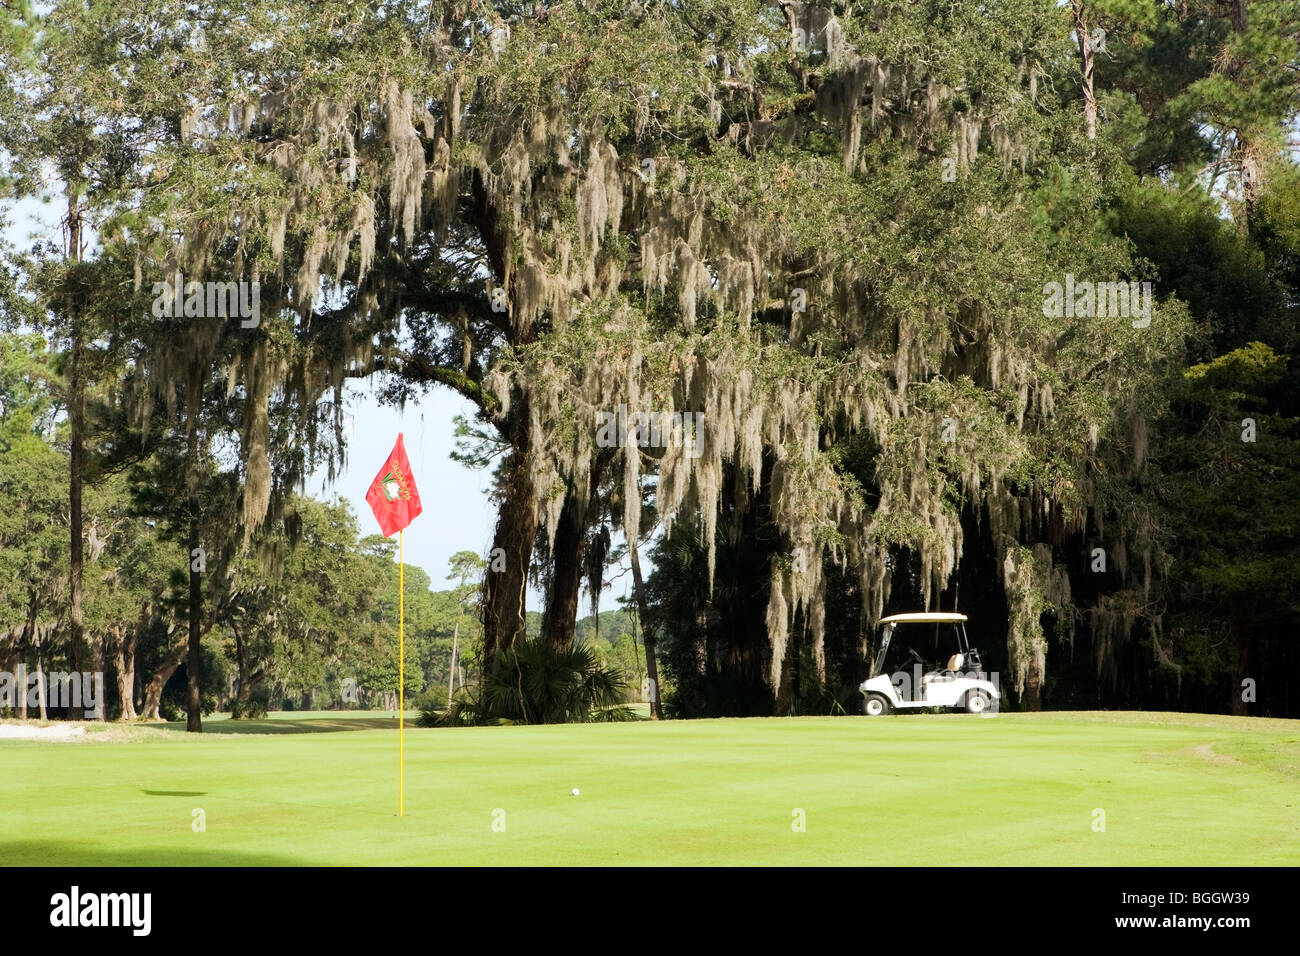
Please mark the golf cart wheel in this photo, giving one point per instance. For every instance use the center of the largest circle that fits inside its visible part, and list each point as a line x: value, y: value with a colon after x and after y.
x: 877, y: 705
x: 977, y: 702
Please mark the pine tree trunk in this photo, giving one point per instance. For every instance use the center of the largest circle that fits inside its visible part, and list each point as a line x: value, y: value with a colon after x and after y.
x: 193, y: 716
x: 1087, y: 57
x: 40, y: 678
x: 11, y: 660
x: 30, y: 639
x: 77, y: 427
x: 1247, y: 152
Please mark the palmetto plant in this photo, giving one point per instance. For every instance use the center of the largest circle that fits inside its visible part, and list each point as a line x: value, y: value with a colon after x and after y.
x: 539, y: 684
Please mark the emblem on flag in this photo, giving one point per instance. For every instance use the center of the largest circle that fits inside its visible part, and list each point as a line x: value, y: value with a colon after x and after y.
x: 393, y: 496
x: 394, y: 485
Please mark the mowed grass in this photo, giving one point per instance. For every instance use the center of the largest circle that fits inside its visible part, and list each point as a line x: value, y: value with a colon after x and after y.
x: 924, y: 789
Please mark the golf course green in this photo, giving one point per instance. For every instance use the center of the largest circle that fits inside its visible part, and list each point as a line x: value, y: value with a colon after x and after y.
x: 299, y: 789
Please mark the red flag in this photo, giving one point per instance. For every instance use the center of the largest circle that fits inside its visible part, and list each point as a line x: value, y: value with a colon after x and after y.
x: 393, y: 496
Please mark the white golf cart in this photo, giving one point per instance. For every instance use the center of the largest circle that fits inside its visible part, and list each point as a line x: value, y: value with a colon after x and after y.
x: 962, y: 683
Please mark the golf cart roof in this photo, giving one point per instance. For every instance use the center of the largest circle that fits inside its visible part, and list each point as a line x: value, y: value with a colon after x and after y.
x: 924, y: 617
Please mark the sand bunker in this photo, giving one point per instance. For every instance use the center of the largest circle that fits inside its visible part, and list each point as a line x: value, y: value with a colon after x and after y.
x: 29, y: 732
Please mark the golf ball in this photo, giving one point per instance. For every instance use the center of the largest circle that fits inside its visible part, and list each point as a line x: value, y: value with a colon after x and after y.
x: 575, y: 791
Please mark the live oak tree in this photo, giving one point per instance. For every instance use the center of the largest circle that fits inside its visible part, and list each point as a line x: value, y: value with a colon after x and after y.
x: 589, y: 206
x: 925, y: 332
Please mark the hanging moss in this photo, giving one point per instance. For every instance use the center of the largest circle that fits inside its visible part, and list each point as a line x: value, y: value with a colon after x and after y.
x: 675, y: 291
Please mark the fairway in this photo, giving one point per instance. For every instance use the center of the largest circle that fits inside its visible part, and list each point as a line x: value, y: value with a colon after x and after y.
x: 1011, y: 789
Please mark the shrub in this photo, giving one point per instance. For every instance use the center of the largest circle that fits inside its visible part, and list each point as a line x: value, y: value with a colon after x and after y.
x: 253, y: 710
x: 535, y: 683
x: 431, y: 698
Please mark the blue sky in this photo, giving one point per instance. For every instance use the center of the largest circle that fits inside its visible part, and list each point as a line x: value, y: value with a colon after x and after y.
x: 456, y: 516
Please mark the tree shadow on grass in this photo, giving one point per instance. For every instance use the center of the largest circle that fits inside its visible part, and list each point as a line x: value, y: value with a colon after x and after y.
x: 308, y: 725
x: 62, y: 853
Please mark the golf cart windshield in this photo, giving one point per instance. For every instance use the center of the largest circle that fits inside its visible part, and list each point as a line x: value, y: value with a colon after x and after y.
x: 885, y: 635
x: 927, y: 643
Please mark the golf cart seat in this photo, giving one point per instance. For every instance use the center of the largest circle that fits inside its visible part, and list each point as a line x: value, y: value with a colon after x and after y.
x: 955, y: 664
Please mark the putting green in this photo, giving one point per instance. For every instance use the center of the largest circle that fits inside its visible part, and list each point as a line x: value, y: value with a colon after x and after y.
x: 302, y: 789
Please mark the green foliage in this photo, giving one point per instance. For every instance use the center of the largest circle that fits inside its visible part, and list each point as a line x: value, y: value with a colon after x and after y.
x: 254, y: 709
x: 431, y: 700
x: 1216, y: 269
x: 1232, y: 473
x: 540, y: 684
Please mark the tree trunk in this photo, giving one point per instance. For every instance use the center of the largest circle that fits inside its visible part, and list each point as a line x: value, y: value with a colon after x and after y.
x: 247, y: 678
x: 40, y: 677
x: 1087, y: 58
x: 789, y: 687
x: 130, y: 650
x: 559, y: 624
x: 504, y: 619
x: 76, y: 619
x: 647, y: 631
x: 29, y: 639
x: 77, y: 427
x: 1238, y: 15
x: 1034, y: 686
x: 154, y: 690
x: 193, y: 716
x: 1247, y: 153
x: 124, y: 643
x: 245, y: 689
x: 12, y: 658
x: 97, y: 667
x: 455, y: 647
x: 560, y: 619
x: 512, y: 544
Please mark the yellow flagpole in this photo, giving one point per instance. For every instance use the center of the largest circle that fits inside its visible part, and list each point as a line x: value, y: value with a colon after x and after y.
x: 401, y: 673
